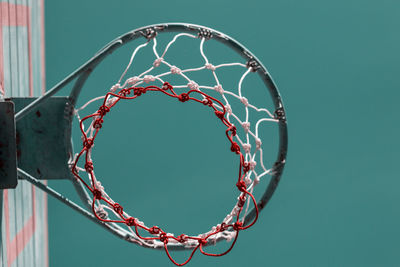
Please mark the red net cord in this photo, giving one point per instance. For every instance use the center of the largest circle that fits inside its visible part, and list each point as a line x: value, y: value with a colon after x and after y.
x: 155, y: 232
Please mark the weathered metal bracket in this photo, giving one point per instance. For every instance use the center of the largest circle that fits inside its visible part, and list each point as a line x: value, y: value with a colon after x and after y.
x: 8, y: 148
x: 41, y: 140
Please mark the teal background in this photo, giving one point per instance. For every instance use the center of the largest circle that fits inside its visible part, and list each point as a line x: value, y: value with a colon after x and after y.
x: 336, y: 64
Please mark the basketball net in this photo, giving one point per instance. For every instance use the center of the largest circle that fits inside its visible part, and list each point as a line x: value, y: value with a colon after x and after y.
x: 248, y: 147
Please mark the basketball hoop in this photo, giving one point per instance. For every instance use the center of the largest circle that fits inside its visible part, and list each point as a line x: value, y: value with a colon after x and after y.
x: 192, y: 91
x: 228, y: 104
